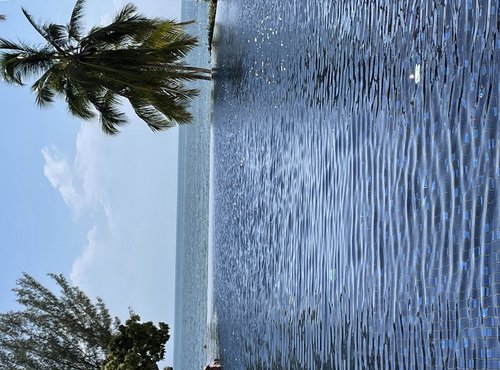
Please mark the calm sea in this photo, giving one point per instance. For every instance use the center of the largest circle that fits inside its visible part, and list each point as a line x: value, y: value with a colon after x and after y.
x: 356, y: 184
x: 190, y: 330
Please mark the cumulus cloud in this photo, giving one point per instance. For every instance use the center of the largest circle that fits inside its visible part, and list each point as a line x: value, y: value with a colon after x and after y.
x: 61, y: 175
x: 78, y: 180
x: 86, y: 258
x: 123, y: 190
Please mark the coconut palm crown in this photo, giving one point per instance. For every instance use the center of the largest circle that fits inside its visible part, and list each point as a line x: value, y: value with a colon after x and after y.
x: 134, y: 57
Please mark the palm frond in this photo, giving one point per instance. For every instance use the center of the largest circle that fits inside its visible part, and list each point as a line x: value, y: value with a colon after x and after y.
x: 155, y: 120
x: 157, y: 37
x: 50, y: 83
x: 75, y: 27
x: 17, y: 66
x: 78, y: 102
x: 110, y: 117
x: 22, y: 46
x: 128, y: 12
x: 118, y: 33
x: 84, y: 77
x: 180, y: 46
x: 178, y: 92
x: 44, y: 92
x: 7, y: 68
x: 127, y: 26
x: 177, y: 114
x: 39, y: 28
x: 42, y: 30
x: 57, y: 33
x: 165, y: 32
x: 44, y: 95
x: 10, y: 45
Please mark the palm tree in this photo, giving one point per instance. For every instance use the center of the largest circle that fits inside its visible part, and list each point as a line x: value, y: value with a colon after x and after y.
x: 134, y: 57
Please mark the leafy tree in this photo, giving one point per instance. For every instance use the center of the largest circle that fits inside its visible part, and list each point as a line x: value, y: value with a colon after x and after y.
x: 137, y: 346
x: 134, y: 57
x: 69, y: 331
x: 54, y: 331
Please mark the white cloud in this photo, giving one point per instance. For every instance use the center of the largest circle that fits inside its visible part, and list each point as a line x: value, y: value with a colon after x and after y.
x: 78, y: 181
x: 86, y: 258
x: 62, y: 177
x: 126, y: 188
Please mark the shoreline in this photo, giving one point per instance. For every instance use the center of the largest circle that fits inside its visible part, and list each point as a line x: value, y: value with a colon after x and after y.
x: 212, y: 350
x: 212, y: 335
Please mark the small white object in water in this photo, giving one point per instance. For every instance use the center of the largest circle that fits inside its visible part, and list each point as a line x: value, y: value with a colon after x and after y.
x: 416, y: 75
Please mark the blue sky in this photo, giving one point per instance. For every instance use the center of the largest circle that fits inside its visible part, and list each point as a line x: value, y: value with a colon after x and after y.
x: 101, y: 210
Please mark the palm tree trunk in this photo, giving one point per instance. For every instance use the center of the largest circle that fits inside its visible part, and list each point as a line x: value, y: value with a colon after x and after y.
x: 197, y: 69
x: 204, y: 77
x: 102, y: 68
x: 205, y: 73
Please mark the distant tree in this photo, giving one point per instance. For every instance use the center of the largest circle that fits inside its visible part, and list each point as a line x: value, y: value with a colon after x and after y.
x: 137, y: 345
x: 68, y: 331
x: 134, y: 57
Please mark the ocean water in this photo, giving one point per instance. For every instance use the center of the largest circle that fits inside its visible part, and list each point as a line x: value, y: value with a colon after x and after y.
x: 190, y: 329
x: 356, y: 184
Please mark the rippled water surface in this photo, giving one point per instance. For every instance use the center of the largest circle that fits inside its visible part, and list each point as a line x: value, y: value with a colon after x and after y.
x: 356, y: 153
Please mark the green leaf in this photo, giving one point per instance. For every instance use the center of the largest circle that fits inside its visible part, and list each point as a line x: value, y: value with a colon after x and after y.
x: 75, y: 27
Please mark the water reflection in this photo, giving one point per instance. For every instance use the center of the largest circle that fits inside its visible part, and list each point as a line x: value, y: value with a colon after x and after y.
x: 356, y: 184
